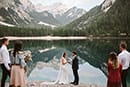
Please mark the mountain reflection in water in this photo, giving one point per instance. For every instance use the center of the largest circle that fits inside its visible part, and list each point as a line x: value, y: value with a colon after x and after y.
x: 93, y: 55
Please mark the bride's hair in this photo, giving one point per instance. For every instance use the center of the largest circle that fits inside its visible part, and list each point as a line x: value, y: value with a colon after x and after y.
x: 64, y: 54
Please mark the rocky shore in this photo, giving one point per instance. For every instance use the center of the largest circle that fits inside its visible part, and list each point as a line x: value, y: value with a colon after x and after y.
x: 38, y: 84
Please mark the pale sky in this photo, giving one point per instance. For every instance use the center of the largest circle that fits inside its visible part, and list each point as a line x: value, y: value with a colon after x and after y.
x: 85, y: 4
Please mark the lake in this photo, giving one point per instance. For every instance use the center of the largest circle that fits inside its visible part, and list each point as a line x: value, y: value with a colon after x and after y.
x: 92, y: 55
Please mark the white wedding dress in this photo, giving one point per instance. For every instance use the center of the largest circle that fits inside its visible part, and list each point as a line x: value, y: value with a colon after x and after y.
x: 63, y: 75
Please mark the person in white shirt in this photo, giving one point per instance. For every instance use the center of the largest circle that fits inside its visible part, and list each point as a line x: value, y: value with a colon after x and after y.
x: 124, y: 58
x: 4, y: 61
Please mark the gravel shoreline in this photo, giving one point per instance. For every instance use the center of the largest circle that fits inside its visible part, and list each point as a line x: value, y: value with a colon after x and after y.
x: 38, y: 84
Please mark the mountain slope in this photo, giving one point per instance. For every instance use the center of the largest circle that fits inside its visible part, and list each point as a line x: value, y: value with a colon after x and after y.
x: 106, y: 5
x: 55, y: 9
x: 120, y: 16
x: 23, y: 12
x: 44, y: 17
x: 70, y: 15
x: 63, y: 14
x: 114, y: 21
x: 13, y: 12
x: 6, y: 24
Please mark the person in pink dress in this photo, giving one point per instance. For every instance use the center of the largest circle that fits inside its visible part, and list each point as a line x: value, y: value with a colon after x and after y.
x: 17, y: 66
x: 114, y: 71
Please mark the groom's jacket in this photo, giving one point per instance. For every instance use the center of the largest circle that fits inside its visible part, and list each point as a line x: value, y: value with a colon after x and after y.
x: 75, y: 63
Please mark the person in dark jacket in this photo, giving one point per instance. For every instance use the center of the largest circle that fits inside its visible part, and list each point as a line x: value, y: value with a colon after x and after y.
x: 75, y: 67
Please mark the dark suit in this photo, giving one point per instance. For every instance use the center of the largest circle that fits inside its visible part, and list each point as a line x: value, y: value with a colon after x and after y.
x: 75, y: 67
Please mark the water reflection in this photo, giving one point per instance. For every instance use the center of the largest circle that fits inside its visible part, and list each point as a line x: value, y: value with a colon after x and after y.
x: 94, y: 53
x: 49, y: 72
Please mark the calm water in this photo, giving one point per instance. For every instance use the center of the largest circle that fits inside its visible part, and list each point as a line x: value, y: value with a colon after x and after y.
x: 92, y: 55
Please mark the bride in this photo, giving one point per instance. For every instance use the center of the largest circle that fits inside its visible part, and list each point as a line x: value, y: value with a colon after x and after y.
x: 63, y: 73
x: 62, y: 77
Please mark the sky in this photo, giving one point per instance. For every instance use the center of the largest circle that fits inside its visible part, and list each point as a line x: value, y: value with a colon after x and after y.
x: 85, y: 4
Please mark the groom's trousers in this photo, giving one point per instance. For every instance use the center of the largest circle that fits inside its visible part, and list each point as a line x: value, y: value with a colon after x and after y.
x: 76, y: 76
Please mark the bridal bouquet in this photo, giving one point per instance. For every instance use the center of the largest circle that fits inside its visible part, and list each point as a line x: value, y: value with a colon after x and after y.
x: 28, y: 56
x: 69, y: 60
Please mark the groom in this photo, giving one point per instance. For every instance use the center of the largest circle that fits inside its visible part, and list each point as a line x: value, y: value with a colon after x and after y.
x: 75, y: 67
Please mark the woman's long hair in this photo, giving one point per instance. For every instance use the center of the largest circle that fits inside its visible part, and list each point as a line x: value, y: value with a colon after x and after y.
x: 64, y: 55
x: 17, y: 47
x: 113, y: 58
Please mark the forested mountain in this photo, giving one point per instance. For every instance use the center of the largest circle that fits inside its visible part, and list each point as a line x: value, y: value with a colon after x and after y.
x: 111, y: 18
x: 23, y: 12
x: 62, y: 13
x: 114, y: 19
x: 15, y: 11
x: 70, y: 15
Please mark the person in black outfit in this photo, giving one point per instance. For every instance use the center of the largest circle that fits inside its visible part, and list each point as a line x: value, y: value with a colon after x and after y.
x: 75, y: 67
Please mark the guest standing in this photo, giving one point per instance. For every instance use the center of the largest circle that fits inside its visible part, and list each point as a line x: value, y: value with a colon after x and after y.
x: 114, y: 71
x: 18, y: 64
x: 124, y: 58
x: 75, y: 67
x: 5, y: 61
